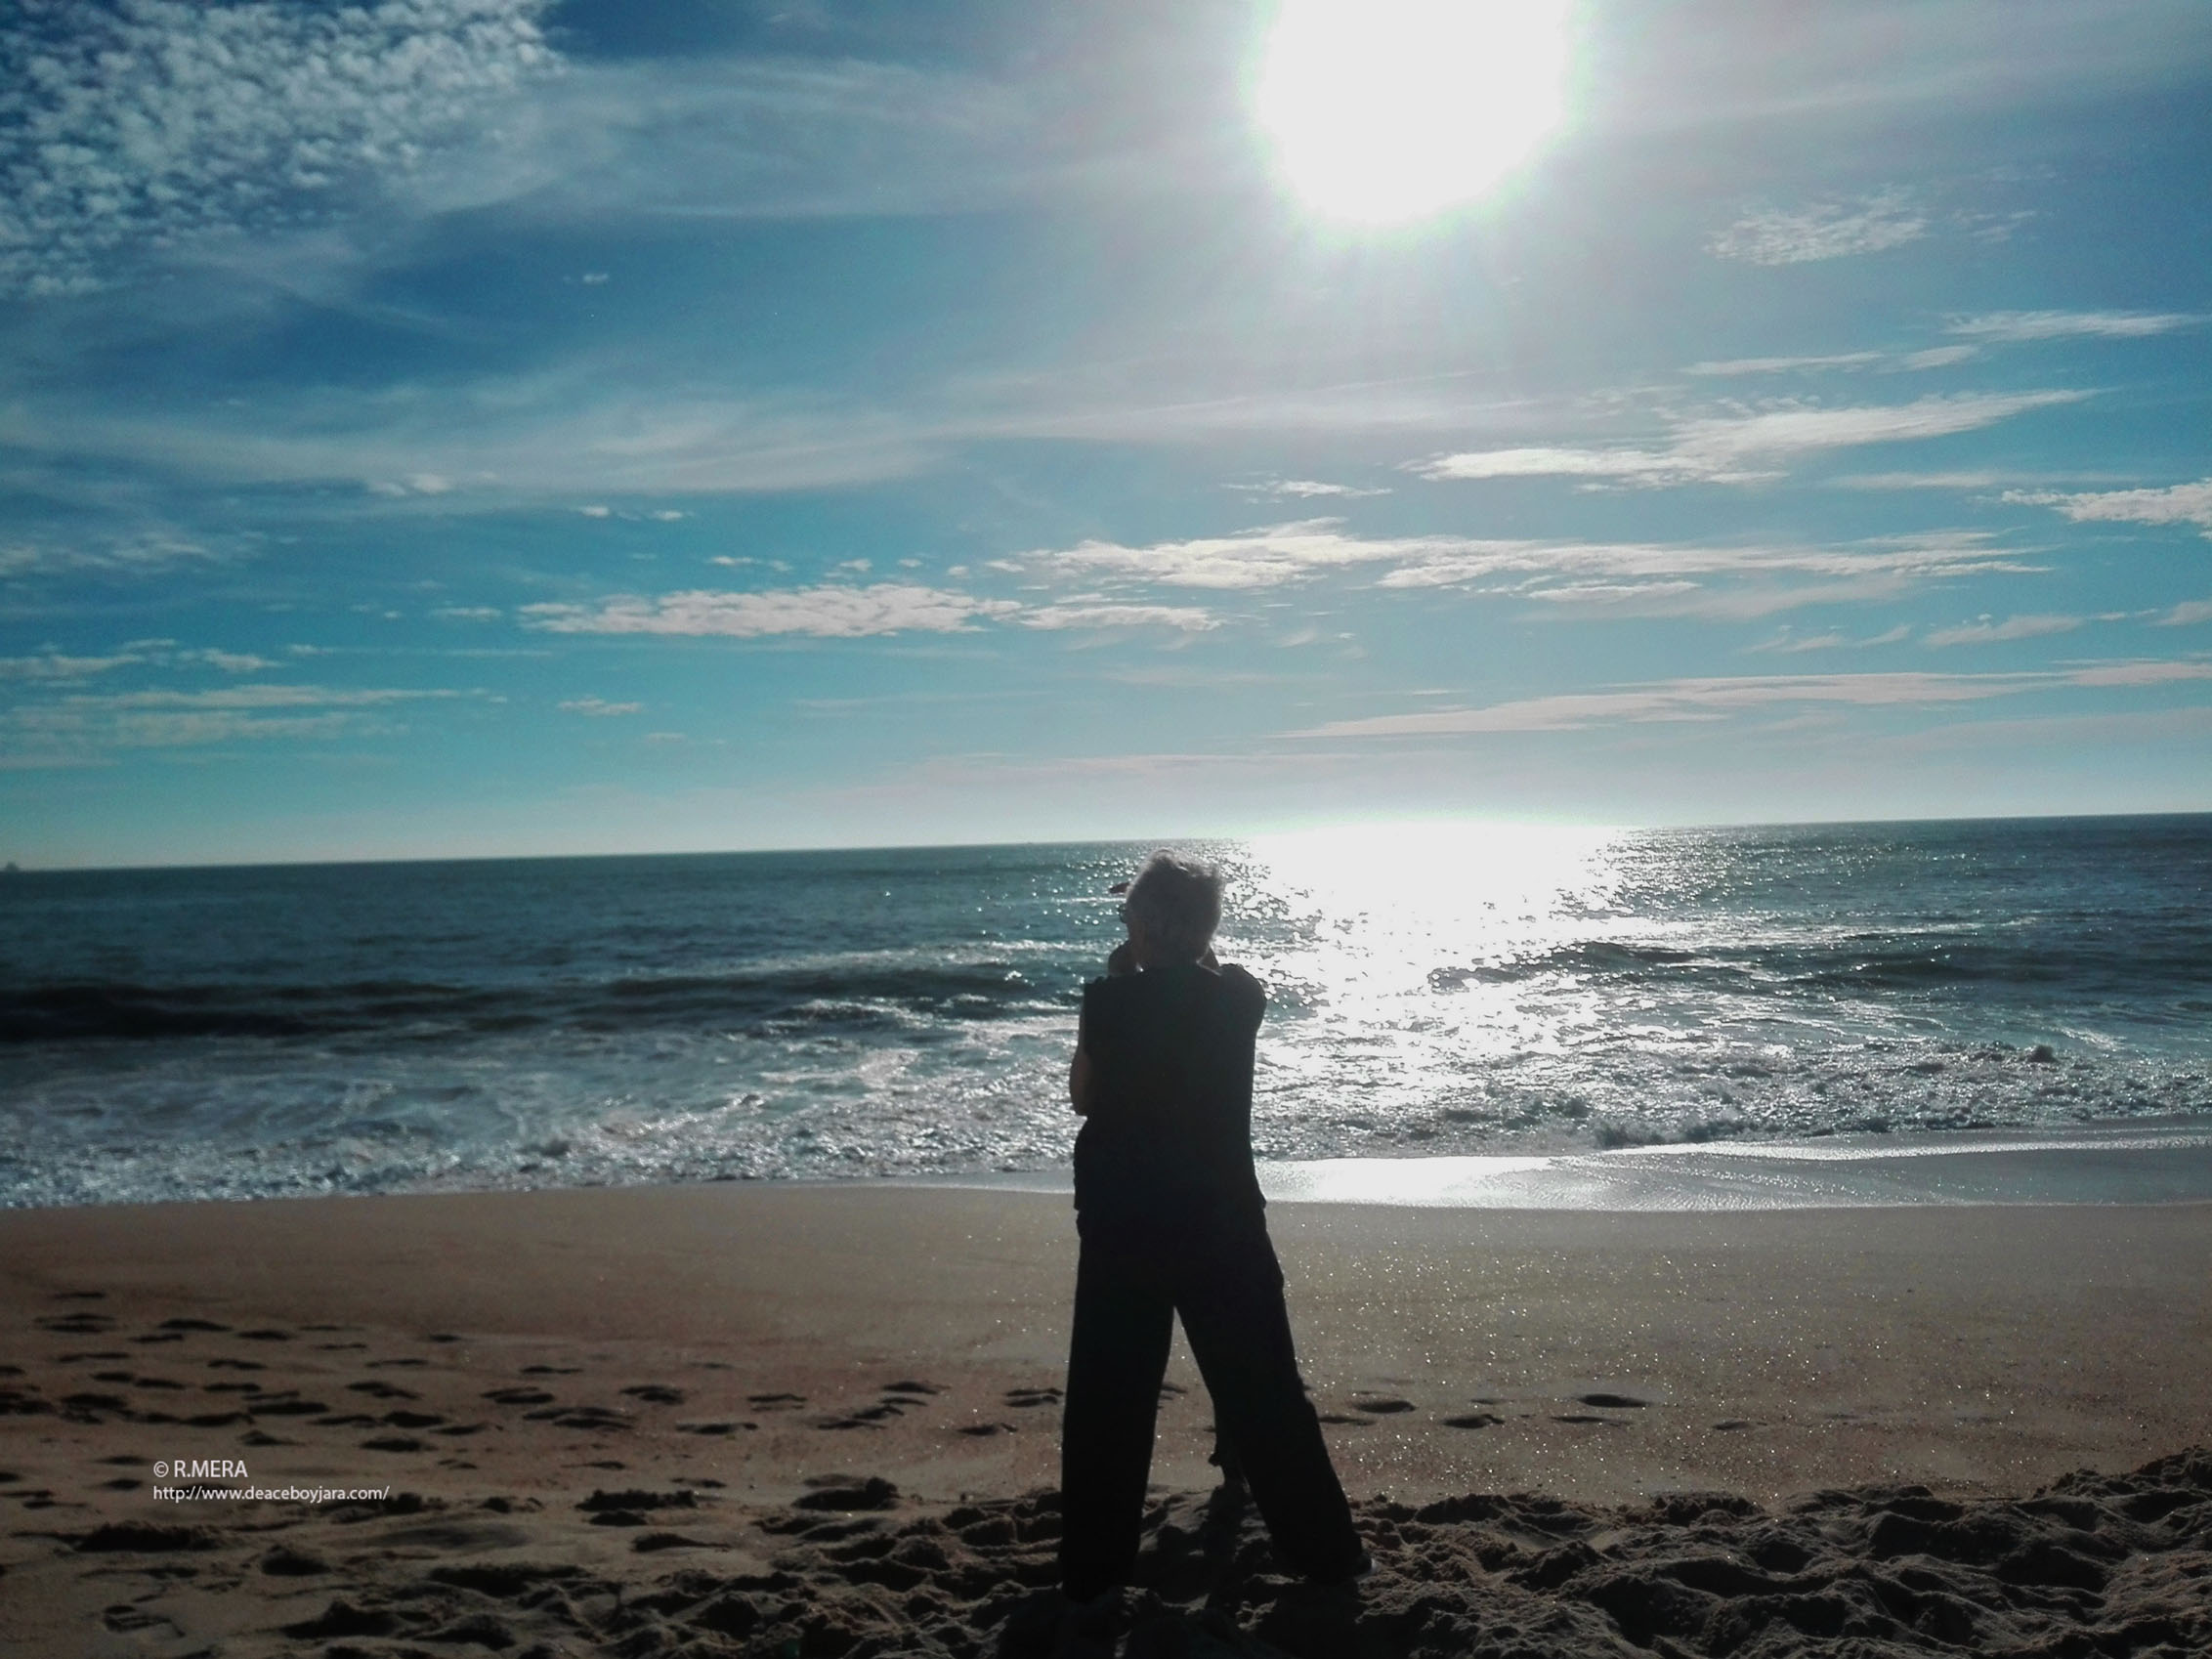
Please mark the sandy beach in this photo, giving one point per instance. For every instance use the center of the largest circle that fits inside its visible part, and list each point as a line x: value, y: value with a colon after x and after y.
x: 754, y: 1418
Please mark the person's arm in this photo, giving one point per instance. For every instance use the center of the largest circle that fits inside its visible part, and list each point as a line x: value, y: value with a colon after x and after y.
x: 1082, y: 1073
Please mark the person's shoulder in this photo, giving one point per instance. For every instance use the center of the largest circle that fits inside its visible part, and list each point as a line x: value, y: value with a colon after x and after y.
x: 1243, y: 991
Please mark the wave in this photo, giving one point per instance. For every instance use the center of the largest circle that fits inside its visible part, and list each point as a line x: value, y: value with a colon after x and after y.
x: 429, y: 1012
x: 1854, y: 963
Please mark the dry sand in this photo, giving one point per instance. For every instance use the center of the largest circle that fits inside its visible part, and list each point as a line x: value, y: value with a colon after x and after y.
x: 824, y: 1420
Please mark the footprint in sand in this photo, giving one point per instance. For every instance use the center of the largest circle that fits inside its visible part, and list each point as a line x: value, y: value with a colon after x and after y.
x: 235, y: 1365
x: 190, y: 1325
x: 1473, y: 1419
x: 1613, y: 1402
x: 656, y: 1393
x: 867, y: 1417
x: 392, y: 1443
x: 75, y: 1324
x: 160, y: 1337
x: 519, y: 1397
x: 924, y: 1390
x: 714, y: 1429
x: 377, y: 1389
x: 1023, y: 1398
x: 550, y: 1370
x: 1587, y: 1417
x: 407, y: 1363
x: 1380, y: 1405
x: 269, y: 1335
x: 1346, y: 1420
x: 981, y: 1430
x: 80, y: 1295
x: 775, y: 1402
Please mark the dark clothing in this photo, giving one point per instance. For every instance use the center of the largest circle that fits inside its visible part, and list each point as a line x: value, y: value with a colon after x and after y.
x: 1171, y: 1221
x: 1168, y: 1143
x: 1231, y: 1301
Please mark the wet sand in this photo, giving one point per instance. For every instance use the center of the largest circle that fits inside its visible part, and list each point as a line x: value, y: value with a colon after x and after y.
x: 838, y: 1406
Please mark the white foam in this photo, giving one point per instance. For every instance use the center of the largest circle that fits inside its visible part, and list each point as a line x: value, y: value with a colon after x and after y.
x: 2148, y: 1162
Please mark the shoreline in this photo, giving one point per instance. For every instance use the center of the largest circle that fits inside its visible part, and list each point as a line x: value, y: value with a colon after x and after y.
x: 2151, y: 1160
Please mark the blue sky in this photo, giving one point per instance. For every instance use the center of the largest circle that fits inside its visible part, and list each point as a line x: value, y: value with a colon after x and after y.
x: 481, y: 426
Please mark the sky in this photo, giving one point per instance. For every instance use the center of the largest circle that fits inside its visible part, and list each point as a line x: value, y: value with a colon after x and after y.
x: 499, y: 427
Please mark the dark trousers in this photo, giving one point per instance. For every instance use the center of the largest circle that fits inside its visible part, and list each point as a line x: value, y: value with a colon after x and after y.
x: 1229, y: 1294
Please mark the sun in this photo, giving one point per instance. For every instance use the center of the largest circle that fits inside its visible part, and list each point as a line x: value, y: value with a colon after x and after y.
x: 1388, y: 109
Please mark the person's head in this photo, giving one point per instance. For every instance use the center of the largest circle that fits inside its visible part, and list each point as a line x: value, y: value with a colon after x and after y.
x: 1172, y: 908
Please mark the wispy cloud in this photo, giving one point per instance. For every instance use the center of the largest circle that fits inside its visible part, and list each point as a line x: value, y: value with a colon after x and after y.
x: 1828, y: 229
x: 2187, y: 613
x: 1186, y: 617
x: 1741, y: 446
x: 1248, y: 559
x: 128, y: 129
x: 64, y: 731
x: 52, y: 664
x: 826, y: 613
x: 2013, y: 326
x: 1934, y: 357
x: 125, y: 555
x: 2178, y: 503
x: 1987, y: 630
x: 1715, y: 699
x: 1305, y: 489
x: 1788, y: 642
x: 1640, y: 579
x: 599, y: 708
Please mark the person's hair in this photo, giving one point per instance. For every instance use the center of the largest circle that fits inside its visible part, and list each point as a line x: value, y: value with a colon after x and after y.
x: 1175, y: 902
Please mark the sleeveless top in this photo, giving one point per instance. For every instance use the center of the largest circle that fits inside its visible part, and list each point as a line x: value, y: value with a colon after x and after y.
x: 1165, y: 1152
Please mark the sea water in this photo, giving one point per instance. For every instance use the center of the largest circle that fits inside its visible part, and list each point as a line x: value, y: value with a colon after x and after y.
x: 1468, y: 990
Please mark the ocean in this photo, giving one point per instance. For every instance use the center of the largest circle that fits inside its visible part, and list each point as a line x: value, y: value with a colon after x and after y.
x: 1434, y: 990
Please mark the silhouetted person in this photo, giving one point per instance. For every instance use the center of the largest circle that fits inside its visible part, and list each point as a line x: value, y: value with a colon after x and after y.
x: 1170, y: 1218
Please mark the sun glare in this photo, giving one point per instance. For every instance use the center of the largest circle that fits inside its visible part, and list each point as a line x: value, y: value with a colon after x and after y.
x: 1388, y: 110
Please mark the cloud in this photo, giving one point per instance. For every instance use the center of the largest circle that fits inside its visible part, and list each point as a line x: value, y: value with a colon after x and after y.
x: 2013, y: 326
x: 1305, y: 489
x: 2178, y: 503
x: 1715, y: 699
x: 1637, y: 466
x: 51, y: 664
x: 116, y: 555
x: 826, y: 612
x: 64, y: 731
x: 1643, y: 579
x: 1188, y: 618
x: 1936, y: 357
x: 1248, y: 559
x: 1831, y: 230
x: 1730, y: 447
x: 129, y: 130
x: 1986, y: 632
x: 2188, y: 612
x: 1788, y: 365
x: 599, y: 708
x: 1786, y: 643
